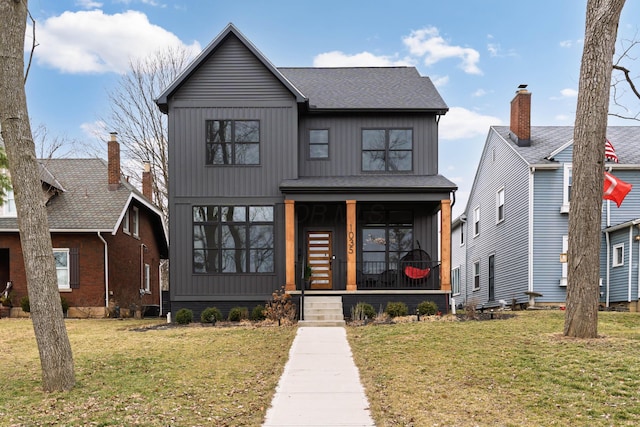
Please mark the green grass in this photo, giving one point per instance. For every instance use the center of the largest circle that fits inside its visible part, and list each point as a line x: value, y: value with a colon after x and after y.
x: 182, y: 376
x: 509, y: 372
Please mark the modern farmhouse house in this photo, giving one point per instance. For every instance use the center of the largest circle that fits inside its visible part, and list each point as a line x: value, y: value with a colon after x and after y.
x: 509, y: 243
x: 278, y: 172
x: 108, y: 238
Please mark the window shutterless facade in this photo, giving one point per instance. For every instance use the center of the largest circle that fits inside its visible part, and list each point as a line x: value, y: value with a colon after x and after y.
x: 618, y: 255
x: 476, y: 221
x: 233, y: 142
x: 500, y: 205
x: 233, y: 239
x: 319, y: 143
x: 455, y: 281
x: 387, y: 150
x: 476, y: 275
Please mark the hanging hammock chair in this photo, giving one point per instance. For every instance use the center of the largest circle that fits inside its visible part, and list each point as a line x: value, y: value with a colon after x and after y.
x: 416, y: 264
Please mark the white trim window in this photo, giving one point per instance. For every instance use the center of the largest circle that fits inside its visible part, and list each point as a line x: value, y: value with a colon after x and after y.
x: 618, y: 255
x: 455, y: 281
x: 565, y: 248
x: 8, y: 208
x: 462, y: 226
x: 500, y: 205
x: 566, y: 187
x: 61, y: 257
x: 136, y: 222
x: 476, y: 221
x: 147, y: 278
x: 125, y: 222
x: 476, y: 275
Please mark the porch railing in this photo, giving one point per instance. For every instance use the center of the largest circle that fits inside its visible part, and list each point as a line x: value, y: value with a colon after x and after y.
x: 399, y: 275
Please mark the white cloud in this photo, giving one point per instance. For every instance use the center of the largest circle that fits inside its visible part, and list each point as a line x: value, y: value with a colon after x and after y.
x: 363, y: 59
x: 95, y: 42
x: 440, y: 81
x: 563, y: 118
x: 566, y: 43
x: 427, y: 42
x: 88, y: 4
x: 460, y: 123
x: 479, y: 93
x: 493, y: 49
x: 97, y: 129
x: 565, y: 93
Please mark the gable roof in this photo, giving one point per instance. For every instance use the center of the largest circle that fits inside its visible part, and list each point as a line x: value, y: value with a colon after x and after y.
x: 85, y: 203
x: 229, y: 30
x: 366, y: 88
x: 548, y: 141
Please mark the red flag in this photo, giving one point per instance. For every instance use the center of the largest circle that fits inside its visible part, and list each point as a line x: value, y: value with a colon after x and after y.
x: 609, y: 151
x: 615, y: 189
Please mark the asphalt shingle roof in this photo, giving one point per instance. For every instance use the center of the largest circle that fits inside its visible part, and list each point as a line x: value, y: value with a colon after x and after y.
x: 366, y: 88
x: 381, y: 183
x: 546, y: 139
x: 86, y: 202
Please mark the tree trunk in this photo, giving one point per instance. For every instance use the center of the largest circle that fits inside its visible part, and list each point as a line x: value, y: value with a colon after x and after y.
x: 56, y: 358
x: 583, y: 291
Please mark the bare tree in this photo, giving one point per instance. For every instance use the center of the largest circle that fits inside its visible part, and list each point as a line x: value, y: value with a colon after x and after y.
x: 56, y: 357
x: 141, y: 127
x: 623, y: 86
x: 583, y: 291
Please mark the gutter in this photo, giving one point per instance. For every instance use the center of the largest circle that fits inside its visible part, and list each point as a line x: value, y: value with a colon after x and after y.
x: 106, y: 271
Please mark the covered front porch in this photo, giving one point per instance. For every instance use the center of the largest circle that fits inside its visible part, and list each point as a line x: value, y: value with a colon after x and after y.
x: 377, y: 240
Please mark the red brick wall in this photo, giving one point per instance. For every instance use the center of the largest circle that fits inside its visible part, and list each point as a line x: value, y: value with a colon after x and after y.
x: 124, y: 266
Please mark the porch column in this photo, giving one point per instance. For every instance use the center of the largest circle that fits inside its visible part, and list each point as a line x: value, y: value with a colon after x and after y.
x: 351, y: 246
x: 290, y: 245
x: 445, y: 245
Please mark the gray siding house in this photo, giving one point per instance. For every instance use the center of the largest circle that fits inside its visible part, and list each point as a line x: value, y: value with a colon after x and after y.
x: 276, y: 172
x: 516, y: 219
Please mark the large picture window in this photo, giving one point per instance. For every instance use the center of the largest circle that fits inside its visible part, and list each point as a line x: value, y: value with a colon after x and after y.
x: 233, y: 239
x: 387, y: 150
x: 386, y: 237
x: 233, y: 142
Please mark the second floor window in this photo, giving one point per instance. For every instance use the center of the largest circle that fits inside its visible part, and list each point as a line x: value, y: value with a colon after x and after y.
x: 476, y: 221
x: 136, y: 222
x: 233, y: 142
x: 387, y: 150
x: 500, y: 205
x: 8, y: 207
x: 319, y: 144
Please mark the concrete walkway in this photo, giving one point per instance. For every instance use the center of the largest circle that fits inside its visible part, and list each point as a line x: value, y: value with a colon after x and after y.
x: 320, y: 385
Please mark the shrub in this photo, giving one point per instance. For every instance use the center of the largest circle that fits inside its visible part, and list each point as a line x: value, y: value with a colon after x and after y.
x: 24, y: 304
x: 281, y: 307
x: 184, y: 316
x: 258, y: 313
x: 237, y: 314
x: 362, y: 311
x: 210, y: 315
x: 427, y: 308
x: 396, y: 309
x: 65, y: 304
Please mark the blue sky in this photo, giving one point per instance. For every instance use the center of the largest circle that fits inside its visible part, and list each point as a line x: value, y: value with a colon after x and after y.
x: 476, y: 52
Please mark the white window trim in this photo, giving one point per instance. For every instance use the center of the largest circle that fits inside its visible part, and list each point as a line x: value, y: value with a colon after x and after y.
x: 565, y: 269
x: 476, y: 263
x: 136, y: 222
x: 476, y: 221
x: 614, y: 261
x: 66, y: 287
x: 147, y: 278
x: 462, y: 234
x: 125, y: 222
x: 498, y: 205
x: 568, y: 168
x: 455, y: 273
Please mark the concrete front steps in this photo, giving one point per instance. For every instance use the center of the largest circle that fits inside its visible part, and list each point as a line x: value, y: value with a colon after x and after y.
x: 322, y: 311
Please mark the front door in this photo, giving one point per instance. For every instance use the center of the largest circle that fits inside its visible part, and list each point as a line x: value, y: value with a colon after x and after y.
x: 319, y: 254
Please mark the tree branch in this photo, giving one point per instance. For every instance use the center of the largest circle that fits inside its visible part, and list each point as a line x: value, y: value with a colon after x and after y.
x: 33, y: 45
x: 627, y: 78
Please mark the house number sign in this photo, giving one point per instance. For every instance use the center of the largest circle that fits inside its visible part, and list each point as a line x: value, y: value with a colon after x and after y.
x: 351, y: 240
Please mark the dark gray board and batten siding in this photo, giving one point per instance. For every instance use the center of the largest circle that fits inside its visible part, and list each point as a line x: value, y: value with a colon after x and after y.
x: 232, y: 84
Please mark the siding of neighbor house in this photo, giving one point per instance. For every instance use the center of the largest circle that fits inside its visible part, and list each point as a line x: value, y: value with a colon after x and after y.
x: 458, y: 260
x: 500, y: 167
x: 233, y: 84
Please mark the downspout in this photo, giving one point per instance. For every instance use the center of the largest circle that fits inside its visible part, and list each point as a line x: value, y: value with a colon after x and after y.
x: 530, y: 231
x: 607, y: 262
x: 106, y: 271
x: 630, y: 258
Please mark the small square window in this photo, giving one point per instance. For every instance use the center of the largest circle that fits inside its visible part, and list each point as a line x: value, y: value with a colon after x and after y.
x: 319, y: 144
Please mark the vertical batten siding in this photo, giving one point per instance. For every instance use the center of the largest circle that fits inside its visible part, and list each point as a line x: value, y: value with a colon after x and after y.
x: 506, y: 240
x: 345, y: 142
x: 548, y: 228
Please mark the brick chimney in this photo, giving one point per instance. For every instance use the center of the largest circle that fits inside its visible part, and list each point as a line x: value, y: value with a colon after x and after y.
x: 520, y: 125
x: 114, y: 162
x: 146, y: 181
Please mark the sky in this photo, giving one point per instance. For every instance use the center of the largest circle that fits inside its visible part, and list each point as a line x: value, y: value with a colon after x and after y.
x: 476, y: 53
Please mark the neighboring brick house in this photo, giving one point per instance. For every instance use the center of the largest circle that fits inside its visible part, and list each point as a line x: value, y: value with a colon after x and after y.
x: 276, y: 169
x: 108, y: 238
